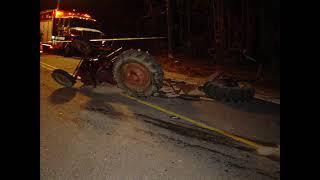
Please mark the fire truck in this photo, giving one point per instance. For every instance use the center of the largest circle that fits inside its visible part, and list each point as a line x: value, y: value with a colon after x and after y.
x: 59, y: 27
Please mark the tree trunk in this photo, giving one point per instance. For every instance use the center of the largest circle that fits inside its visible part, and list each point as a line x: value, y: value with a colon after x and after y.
x: 170, y: 27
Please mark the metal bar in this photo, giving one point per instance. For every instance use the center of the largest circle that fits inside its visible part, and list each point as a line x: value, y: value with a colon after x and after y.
x: 47, y: 45
x: 128, y: 39
x: 57, y: 41
x: 114, y: 52
x: 74, y: 72
x: 119, y: 39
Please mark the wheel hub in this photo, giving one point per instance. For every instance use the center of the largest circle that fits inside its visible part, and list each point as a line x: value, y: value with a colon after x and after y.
x: 62, y: 79
x: 135, y: 76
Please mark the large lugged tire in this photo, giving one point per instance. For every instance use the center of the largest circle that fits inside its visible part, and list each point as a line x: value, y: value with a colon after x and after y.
x: 63, y: 78
x: 228, y: 91
x: 137, y: 73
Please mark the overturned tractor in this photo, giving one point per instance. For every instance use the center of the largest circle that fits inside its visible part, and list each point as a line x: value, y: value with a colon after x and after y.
x: 138, y: 74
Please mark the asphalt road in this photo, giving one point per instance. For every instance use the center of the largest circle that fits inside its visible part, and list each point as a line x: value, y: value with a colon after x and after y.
x: 95, y: 133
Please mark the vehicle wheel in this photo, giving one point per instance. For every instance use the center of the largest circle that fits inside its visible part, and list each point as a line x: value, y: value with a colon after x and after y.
x: 63, y: 78
x: 225, y: 90
x: 137, y: 73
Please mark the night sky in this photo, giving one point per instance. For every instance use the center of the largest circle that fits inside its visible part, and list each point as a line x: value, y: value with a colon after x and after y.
x: 118, y: 17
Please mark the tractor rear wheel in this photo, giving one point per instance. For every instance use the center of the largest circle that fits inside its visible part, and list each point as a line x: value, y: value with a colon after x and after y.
x: 137, y: 73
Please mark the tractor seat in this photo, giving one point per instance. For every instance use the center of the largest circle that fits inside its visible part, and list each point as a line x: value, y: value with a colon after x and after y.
x: 84, y: 48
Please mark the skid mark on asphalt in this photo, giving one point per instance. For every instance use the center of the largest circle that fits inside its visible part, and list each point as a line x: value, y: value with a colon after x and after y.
x: 192, y: 132
x: 231, y: 160
x: 236, y: 159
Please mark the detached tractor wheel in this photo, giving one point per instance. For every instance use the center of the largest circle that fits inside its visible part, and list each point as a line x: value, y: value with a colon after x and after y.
x: 225, y: 90
x: 63, y: 78
x: 137, y: 73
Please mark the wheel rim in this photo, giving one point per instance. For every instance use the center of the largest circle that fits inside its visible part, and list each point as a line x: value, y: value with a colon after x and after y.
x: 61, y: 79
x: 135, y: 76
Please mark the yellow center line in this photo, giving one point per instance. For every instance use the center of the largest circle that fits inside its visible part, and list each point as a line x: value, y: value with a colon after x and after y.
x: 199, y: 124
x: 48, y: 65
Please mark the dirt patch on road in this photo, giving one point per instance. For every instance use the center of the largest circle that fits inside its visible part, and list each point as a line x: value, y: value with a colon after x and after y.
x: 101, y: 107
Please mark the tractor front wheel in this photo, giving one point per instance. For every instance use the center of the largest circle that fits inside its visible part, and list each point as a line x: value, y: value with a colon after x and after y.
x: 63, y: 78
